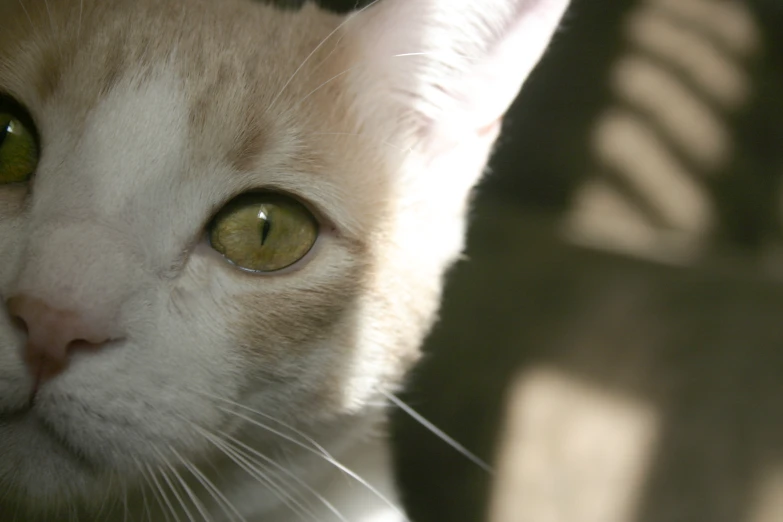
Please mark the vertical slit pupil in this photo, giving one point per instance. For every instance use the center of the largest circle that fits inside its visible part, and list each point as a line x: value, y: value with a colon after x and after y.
x: 265, y: 228
x: 4, y: 130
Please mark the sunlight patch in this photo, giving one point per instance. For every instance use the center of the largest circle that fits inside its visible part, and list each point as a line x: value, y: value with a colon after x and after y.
x: 768, y: 504
x: 384, y: 516
x: 683, y: 80
x: 571, y: 452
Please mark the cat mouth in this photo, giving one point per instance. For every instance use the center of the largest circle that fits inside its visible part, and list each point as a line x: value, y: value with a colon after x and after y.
x: 12, y: 416
x: 27, y: 415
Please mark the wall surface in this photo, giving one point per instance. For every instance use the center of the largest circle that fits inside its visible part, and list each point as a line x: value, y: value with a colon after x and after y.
x: 612, y: 343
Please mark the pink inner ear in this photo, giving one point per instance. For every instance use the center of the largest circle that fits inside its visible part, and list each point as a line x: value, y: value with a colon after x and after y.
x: 491, y: 128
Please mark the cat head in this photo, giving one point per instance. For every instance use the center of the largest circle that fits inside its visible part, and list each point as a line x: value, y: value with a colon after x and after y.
x: 206, y: 205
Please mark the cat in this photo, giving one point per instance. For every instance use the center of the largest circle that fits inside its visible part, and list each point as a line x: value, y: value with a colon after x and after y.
x: 225, y: 228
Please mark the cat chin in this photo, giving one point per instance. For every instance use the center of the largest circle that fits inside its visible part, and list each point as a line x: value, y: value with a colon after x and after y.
x: 49, y: 465
x: 43, y: 470
x: 46, y: 470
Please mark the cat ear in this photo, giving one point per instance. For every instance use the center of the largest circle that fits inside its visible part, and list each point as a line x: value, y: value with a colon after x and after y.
x: 452, y: 64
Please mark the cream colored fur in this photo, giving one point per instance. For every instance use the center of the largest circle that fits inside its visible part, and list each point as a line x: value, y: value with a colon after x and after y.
x: 152, y: 114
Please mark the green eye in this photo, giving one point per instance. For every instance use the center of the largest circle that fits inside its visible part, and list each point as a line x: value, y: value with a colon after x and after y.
x: 263, y: 232
x: 18, y: 145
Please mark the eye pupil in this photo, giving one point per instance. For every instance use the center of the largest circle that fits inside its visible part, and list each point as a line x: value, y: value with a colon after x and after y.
x: 4, y: 131
x: 266, y: 227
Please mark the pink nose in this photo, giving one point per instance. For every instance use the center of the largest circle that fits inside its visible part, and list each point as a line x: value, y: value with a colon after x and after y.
x: 52, y: 335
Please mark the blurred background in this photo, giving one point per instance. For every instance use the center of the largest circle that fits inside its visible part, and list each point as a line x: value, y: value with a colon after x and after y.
x: 614, y: 343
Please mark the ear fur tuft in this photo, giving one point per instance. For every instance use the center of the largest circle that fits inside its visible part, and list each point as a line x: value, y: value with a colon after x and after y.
x: 446, y: 64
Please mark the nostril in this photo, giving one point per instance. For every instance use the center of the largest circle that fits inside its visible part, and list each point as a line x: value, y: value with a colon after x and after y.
x: 14, y: 306
x: 19, y: 323
x: 83, y: 345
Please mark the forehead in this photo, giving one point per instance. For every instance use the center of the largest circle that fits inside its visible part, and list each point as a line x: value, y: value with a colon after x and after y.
x: 108, y: 38
x: 245, y: 74
x: 233, y: 56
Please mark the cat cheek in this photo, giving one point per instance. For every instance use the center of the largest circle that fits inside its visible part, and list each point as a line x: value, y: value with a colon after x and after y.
x: 12, y: 199
x: 12, y: 234
x: 274, y: 327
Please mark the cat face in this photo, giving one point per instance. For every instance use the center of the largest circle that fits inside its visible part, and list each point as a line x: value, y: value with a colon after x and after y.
x: 226, y: 205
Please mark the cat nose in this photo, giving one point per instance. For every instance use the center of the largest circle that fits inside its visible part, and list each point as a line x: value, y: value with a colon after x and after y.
x: 53, y: 335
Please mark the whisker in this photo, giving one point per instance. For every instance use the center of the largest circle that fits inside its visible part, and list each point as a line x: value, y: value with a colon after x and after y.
x: 248, y: 467
x: 124, y: 503
x: 349, y: 69
x: 298, y: 480
x: 440, y: 433
x: 326, y: 58
x: 49, y: 13
x: 327, y: 458
x: 279, y: 485
x: 368, y: 486
x: 298, y: 488
x: 174, y: 490
x: 106, y: 499
x: 318, y: 451
x: 315, y: 50
x: 21, y: 4
x: 401, y: 55
x: 162, y: 494
x: 269, y: 417
x: 217, y: 495
x: 79, y: 26
x: 145, y: 503
x: 290, y: 439
x: 155, y: 488
x: 188, y: 491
